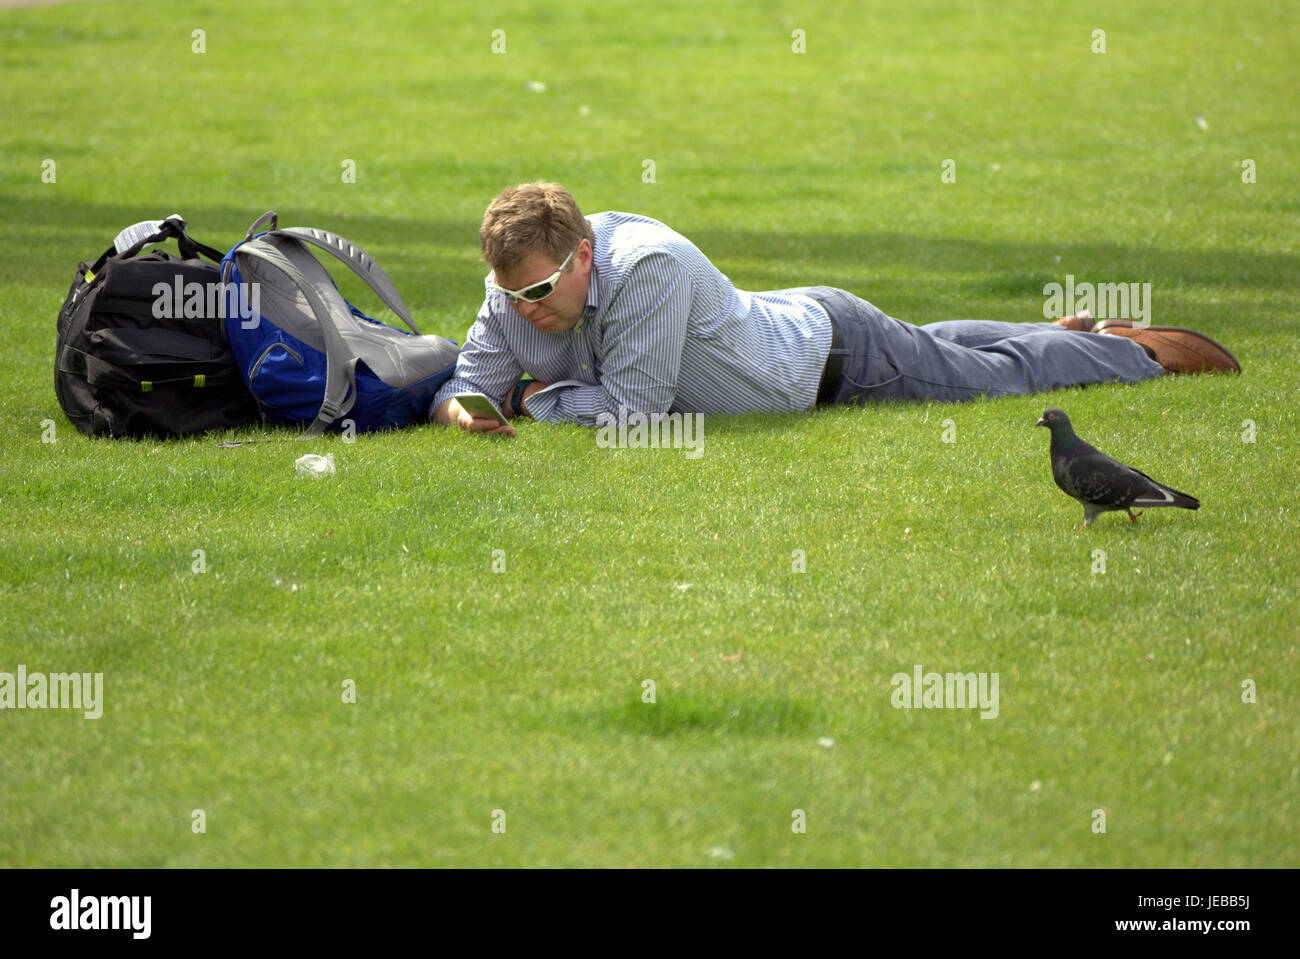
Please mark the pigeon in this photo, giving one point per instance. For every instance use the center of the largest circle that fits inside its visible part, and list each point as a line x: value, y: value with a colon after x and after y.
x: 1100, y: 483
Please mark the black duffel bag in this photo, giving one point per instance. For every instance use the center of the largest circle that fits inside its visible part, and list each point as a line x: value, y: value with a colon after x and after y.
x: 141, y: 343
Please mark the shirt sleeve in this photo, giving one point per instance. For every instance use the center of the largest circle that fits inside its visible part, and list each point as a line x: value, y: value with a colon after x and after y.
x: 642, y: 335
x: 485, y: 363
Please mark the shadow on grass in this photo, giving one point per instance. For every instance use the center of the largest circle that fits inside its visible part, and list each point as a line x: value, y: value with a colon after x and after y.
x: 885, y: 413
x: 59, y: 233
x: 732, y: 713
x: 1004, y: 269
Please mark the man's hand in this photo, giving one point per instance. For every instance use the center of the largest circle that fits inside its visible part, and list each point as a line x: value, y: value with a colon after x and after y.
x: 450, y: 413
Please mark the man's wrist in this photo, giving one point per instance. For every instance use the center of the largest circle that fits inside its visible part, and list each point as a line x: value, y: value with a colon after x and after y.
x: 517, y: 397
x: 442, y: 412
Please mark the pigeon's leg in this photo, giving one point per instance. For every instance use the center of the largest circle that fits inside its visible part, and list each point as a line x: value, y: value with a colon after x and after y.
x: 1132, y: 516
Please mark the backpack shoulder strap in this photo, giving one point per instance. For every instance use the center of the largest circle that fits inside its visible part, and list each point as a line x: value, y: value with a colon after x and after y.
x: 340, y: 364
x: 359, y: 262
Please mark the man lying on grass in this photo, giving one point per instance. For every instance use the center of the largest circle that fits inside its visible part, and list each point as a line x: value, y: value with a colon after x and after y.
x: 616, y: 310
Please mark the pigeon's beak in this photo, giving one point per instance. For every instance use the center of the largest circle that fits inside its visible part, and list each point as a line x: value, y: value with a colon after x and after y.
x: 1041, y: 422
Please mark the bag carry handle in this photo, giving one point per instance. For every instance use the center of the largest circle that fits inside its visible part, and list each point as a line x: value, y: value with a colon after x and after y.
x: 173, y: 228
x: 228, y: 265
x: 268, y: 215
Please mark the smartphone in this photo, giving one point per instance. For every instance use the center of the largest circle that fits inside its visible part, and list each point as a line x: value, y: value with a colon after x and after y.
x: 480, y: 406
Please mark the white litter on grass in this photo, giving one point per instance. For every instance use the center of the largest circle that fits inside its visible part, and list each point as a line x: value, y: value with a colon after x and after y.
x: 584, y: 110
x: 721, y: 852
x: 825, y: 742
x: 1200, y: 122
x: 535, y: 86
x: 315, y: 466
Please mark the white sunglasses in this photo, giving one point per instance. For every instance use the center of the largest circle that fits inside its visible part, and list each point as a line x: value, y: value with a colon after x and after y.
x: 538, y: 291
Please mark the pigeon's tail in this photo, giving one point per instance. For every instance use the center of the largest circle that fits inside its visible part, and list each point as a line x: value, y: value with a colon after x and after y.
x: 1165, y: 496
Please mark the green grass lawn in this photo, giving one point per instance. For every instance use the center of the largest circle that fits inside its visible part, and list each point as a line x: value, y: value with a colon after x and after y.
x: 522, y: 691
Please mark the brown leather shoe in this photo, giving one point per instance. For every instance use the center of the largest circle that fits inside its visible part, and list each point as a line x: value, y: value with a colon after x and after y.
x: 1177, y: 349
x: 1081, y: 321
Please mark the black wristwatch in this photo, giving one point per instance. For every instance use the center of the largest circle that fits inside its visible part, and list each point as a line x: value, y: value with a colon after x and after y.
x: 517, y: 397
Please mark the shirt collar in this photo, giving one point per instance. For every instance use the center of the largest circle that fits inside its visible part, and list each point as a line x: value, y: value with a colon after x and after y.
x: 593, y: 293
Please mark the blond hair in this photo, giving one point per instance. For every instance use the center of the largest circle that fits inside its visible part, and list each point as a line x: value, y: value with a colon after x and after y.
x: 532, y: 218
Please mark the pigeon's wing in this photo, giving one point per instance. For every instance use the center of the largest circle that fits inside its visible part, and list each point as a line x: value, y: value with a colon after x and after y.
x: 1062, y: 466
x: 1096, y: 478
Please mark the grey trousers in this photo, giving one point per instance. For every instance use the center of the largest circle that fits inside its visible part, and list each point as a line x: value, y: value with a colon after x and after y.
x: 887, y: 359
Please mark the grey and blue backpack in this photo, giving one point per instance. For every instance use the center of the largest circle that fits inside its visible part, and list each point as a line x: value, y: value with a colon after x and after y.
x: 309, y: 356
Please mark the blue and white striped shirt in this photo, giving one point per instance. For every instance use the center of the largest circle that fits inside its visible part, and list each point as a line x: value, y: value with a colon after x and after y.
x: 663, y: 331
